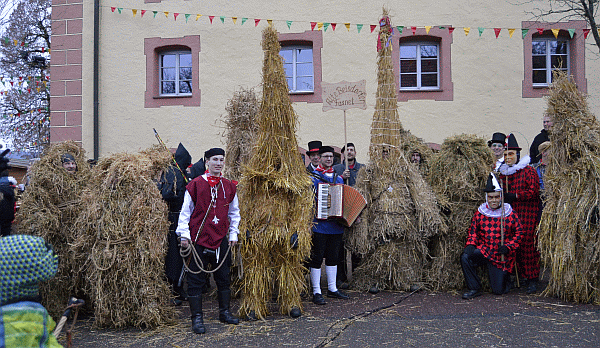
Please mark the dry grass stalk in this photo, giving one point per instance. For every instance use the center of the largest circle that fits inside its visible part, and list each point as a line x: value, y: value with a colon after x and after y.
x: 568, y: 237
x: 121, y: 241
x: 457, y: 174
x: 276, y: 198
x: 50, y: 206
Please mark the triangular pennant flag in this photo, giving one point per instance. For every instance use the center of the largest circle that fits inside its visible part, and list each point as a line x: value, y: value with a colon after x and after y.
x: 244, y: 20
x: 320, y: 25
x: 198, y: 16
x: 270, y: 22
x: 312, y: 25
x: 480, y: 30
x: 256, y: 21
x: 510, y: 32
x: 142, y: 13
x: 347, y: 26
x: 524, y: 32
x: 586, y: 33
x: 234, y: 19
x: 289, y: 24
x: 450, y: 30
x: 442, y: 28
x: 16, y: 43
x: 359, y: 27
x: 325, y: 26
x: 428, y: 28
x: 414, y: 30
x: 175, y: 15
x: 540, y: 31
x: 571, y: 32
x: 112, y: 9
x: 373, y: 26
x: 154, y: 12
x: 467, y: 30
x: 222, y: 19
x: 119, y: 9
x: 333, y: 25
x: 166, y: 14
x: 211, y: 18
x: 497, y: 31
x: 134, y: 11
x: 187, y: 16
x: 555, y: 32
x: 400, y: 28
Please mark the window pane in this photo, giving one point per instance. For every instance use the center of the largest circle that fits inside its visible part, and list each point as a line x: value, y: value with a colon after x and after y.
x: 539, y: 62
x: 304, y: 69
x: 289, y: 69
x: 168, y: 88
x: 304, y: 55
x: 559, y: 62
x: 408, y: 52
x: 168, y: 60
x: 185, y: 87
x: 185, y: 73
x: 538, y: 47
x: 287, y: 55
x: 408, y: 80
x: 408, y: 66
x: 168, y: 74
x: 429, y: 80
x: 429, y: 65
x: 428, y: 51
x: 290, y: 84
x: 558, y: 47
x: 185, y: 60
x: 539, y: 76
x: 304, y: 84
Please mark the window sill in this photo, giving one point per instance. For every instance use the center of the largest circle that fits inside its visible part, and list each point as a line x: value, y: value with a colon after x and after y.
x: 301, y: 93
x: 419, y: 90
x: 172, y: 96
x: 540, y: 87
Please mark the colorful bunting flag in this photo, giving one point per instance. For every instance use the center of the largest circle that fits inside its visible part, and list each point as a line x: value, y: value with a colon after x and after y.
x: 480, y: 30
x: 187, y: 16
x: 244, y: 19
x: 234, y: 19
x: 400, y: 28
x: 142, y: 13
x: 555, y: 32
x: 497, y: 31
x: 175, y: 15
x: 211, y: 18
x: 511, y: 32
x: 524, y: 32
x: 154, y: 12
x: 166, y: 14
x: 222, y: 19
x: 450, y: 30
x: 119, y: 9
x: 333, y: 25
x: 256, y: 21
x: 198, y: 16
x: 134, y: 11
x: 414, y: 30
x: 571, y: 32
x: 467, y: 30
x: 540, y: 31
x: 325, y: 26
x: 373, y: 26
x: 347, y: 26
x: 359, y: 27
x: 312, y: 25
x: 427, y: 29
x: 270, y: 22
x: 112, y: 9
x: 289, y: 24
x: 319, y: 25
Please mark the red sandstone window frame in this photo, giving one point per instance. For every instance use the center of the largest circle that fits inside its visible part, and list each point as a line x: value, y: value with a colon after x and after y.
x: 576, y: 54
x: 153, y: 48
x: 440, y: 36
x: 312, y: 38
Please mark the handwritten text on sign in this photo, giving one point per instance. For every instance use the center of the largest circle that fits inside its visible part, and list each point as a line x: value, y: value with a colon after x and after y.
x: 344, y: 95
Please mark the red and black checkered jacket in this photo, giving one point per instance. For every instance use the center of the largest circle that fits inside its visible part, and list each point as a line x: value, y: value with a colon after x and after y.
x: 485, y: 234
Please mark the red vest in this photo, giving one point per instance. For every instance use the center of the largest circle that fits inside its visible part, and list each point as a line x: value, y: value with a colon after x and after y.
x: 214, y: 229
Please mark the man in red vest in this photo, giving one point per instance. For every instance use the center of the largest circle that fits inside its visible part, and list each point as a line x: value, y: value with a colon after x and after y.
x: 208, y: 228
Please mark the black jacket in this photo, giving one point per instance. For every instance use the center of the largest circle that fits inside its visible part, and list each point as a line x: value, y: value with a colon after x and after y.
x: 172, y: 183
x: 7, y: 204
x: 533, y: 150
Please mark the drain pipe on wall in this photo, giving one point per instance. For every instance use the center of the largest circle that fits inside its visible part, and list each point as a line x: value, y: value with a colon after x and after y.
x: 96, y: 82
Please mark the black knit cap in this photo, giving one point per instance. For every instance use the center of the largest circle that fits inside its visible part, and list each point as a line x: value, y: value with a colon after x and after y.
x: 324, y: 149
x: 67, y: 157
x: 214, y: 152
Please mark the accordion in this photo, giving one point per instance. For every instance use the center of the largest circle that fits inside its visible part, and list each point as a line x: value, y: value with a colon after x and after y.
x: 339, y: 201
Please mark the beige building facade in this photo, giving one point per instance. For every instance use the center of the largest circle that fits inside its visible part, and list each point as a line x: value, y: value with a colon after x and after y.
x: 164, y: 65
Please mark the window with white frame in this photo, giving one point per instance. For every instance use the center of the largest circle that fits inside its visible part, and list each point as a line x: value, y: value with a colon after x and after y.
x: 175, y: 73
x: 419, y: 66
x: 299, y: 70
x: 547, y: 55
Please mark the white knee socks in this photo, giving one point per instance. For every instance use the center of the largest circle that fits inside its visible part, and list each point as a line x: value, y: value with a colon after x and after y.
x: 315, y: 279
x: 331, y: 277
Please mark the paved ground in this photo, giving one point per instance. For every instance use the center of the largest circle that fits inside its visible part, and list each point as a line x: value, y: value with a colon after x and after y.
x: 420, y: 319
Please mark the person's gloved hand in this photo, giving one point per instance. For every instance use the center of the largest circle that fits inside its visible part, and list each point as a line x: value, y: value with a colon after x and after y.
x: 503, y: 250
x: 470, y: 249
x: 510, y: 197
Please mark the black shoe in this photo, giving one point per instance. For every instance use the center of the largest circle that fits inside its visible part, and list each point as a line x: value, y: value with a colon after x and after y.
x: 337, y: 294
x: 471, y: 294
x: 318, y: 299
x: 295, y: 312
x: 198, y: 324
x: 197, y: 316
x: 374, y: 290
x: 224, y: 296
x: 227, y: 318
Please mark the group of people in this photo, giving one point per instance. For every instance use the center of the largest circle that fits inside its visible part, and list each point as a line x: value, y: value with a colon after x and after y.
x: 502, y: 235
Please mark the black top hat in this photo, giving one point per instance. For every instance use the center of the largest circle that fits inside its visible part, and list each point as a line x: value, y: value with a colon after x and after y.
x: 492, y: 184
x: 324, y: 149
x: 313, y: 146
x: 497, y: 138
x: 512, y: 143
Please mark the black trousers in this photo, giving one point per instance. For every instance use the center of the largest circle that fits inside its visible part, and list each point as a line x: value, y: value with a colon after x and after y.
x: 470, y: 263
x: 325, y: 246
x: 5, y: 227
x: 196, y: 281
x: 173, y: 260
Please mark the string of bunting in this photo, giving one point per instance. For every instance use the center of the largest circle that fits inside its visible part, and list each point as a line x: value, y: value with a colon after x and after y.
x: 26, y: 84
x: 326, y: 25
x: 8, y: 40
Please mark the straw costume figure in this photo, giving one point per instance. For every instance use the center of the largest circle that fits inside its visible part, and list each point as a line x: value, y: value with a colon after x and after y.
x: 417, y: 152
x: 49, y: 209
x: 569, y: 231
x: 122, y: 241
x: 276, y: 200
x: 456, y: 173
x: 401, y: 211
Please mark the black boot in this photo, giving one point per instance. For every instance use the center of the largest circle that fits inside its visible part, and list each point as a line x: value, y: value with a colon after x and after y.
x: 197, y: 316
x: 224, y: 315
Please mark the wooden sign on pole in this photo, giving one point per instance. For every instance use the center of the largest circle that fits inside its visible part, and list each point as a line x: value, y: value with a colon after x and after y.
x: 344, y: 95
